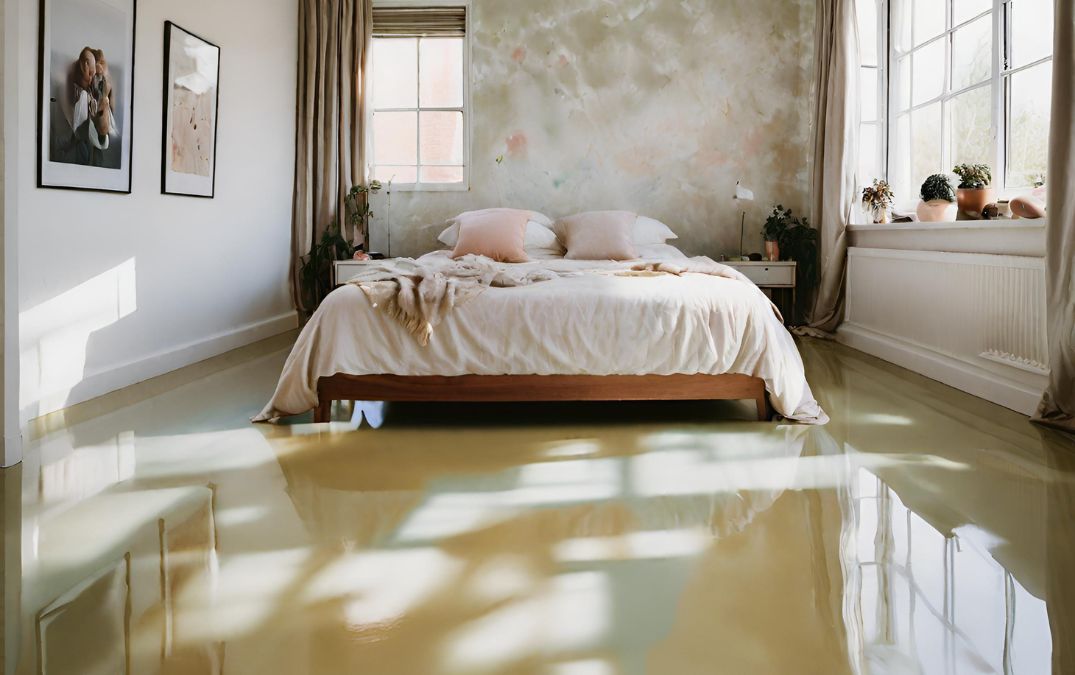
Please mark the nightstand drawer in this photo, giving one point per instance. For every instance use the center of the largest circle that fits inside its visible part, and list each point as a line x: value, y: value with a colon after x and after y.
x: 769, y: 275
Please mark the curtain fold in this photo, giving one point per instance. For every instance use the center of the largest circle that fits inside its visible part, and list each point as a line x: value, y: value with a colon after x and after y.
x: 1057, y: 407
x: 836, y: 138
x: 334, y: 47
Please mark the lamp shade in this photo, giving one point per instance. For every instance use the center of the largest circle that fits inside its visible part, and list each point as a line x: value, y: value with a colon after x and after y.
x: 743, y: 194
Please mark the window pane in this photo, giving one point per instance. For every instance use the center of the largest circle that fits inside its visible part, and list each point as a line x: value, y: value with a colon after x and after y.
x: 1028, y: 125
x: 968, y: 9
x: 901, y: 160
x: 442, y: 72
x: 868, y: 165
x: 395, y: 138
x: 928, y: 19
x: 972, y: 127
x: 900, y: 12
x: 903, y: 83
x: 395, y: 73
x: 925, y: 144
x: 972, y: 53
x: 1032, y: 31
x: 441, y: 137
x: 396, y: 174
x: 442, y: 174
x: 868, y: 85
x: 928, y: 72
x: 868, y: 32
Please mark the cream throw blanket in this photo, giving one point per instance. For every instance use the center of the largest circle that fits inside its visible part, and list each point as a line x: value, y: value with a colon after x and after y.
x: 420, y: 294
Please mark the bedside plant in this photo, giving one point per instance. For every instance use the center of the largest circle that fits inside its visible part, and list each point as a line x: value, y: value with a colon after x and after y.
x: 938, y: 200
x: 315, y: 270
x: 796, y: 241
x: 773, y: 230
x: 877, y: 199
x: 975, y: 189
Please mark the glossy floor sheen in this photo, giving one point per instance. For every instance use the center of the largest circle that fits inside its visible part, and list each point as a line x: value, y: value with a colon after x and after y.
x: 922, y: 530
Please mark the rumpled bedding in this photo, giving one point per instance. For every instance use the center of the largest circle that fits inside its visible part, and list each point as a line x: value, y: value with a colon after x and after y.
x: 659, y: 316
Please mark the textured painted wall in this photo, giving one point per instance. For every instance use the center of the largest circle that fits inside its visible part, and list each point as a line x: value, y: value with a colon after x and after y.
x: 655, y: 106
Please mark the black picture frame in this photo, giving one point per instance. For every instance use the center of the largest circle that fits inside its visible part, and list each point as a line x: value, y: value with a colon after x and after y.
x: 173, y: 182
x: 54, y: 170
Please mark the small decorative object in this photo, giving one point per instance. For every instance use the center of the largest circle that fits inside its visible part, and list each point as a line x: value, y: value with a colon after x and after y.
x: 974, y: 189
x: 990, y: 212
x: 191, y: 104
x: 361, y: 255
x: 1027, y: 206
x: 742, y: 195
x: 938, y: 200
x: 877, y: 199
x: 1004, y: 209
x: 755, y: 257
x: 84, y: 90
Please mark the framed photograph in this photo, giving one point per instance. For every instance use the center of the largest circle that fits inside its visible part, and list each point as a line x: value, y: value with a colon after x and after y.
x: 191, y: 105
x: 85, y: 109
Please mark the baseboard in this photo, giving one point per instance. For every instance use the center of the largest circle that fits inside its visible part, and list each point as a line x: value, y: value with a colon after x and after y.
x: 954, y: 372
x: 99, y: 383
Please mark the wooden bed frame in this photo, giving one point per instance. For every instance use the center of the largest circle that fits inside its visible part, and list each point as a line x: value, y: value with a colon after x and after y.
x: 492, y: 388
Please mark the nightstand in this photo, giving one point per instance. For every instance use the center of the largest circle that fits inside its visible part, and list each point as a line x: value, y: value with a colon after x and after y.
x: 345, y: 270
x: 777, y: 279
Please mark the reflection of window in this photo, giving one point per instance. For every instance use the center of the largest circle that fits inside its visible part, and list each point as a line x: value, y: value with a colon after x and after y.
x: 419, y: 87
x: 967, y: 81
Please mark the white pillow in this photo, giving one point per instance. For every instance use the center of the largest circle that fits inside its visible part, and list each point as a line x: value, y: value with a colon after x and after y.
x: 537, y: 235
x: 648, y: 231
x: 660, y: 252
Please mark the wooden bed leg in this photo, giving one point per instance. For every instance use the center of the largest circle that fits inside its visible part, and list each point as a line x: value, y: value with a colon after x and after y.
x: 765, y: 410
x: 323, y: 411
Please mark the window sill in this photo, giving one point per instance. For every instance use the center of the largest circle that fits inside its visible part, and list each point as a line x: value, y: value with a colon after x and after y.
x: 998, y: 237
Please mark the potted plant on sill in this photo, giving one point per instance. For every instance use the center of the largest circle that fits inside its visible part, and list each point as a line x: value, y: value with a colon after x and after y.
x: 877, y: 199
x: 975, y: 189
x: 938, y: 200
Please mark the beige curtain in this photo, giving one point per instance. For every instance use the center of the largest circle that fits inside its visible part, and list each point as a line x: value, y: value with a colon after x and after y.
x: 334, y: 46
x: 836, y: 137
x: 1057, y: 408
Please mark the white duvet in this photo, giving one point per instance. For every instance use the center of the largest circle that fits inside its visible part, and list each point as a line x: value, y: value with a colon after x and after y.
x: 591, y: 324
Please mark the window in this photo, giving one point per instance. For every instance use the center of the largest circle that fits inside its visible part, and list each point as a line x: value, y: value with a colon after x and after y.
x: 419, y: 136
x: 961, y: 81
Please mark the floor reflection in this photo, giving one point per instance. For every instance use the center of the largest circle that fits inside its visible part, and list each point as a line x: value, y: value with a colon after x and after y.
x: 922, y: 531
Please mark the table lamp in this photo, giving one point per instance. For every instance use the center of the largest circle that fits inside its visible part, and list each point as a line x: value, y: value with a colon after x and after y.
x: 742, y: 195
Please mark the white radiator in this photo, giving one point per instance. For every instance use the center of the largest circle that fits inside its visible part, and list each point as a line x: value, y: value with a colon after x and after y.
x: 974, y: 321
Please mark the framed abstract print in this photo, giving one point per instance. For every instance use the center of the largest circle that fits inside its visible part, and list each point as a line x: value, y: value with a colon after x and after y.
x: 85, y: 84
x: 191, y: 104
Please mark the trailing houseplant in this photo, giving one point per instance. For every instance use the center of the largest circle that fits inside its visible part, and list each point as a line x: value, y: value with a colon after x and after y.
x: 315, y: 269
x: 797, y: 241
x: 975, y: 188
x: 877, y: 199
x: 938, y: 200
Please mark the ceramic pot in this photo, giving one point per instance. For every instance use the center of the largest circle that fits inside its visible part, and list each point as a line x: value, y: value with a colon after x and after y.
x: 772, y: 251
x: 880, y: 215
x: 973, y: 201
x: 1005, y: 209
x: 936, y: 211
x: 1027, y: 207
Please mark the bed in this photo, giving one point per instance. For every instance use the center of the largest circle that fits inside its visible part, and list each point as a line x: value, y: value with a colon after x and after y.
x: 597, y: 330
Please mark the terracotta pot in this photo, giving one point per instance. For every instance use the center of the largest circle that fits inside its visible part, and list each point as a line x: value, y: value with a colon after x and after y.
x: 772, y: 251
x: 936, y: 211
x: 972, y: 201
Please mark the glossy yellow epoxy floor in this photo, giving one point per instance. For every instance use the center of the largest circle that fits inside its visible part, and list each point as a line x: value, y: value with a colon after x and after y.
x: 922, y: 531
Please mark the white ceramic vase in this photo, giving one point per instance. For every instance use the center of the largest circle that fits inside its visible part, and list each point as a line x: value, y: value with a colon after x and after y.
x: 936, y: 211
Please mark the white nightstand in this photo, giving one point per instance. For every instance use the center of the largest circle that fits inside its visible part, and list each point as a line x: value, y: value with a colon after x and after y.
x: 770, y: 276
x: 345, y: 270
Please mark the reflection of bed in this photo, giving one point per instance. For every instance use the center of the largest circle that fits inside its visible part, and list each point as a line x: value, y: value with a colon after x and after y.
x: 589, y: 334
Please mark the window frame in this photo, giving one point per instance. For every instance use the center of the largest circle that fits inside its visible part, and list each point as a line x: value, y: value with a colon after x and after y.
x: 998, y: 84
x: 465, y: 109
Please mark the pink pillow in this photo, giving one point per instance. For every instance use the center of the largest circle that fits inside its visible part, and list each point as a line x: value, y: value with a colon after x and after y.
x: 599, y: 235
x: 499, y: 234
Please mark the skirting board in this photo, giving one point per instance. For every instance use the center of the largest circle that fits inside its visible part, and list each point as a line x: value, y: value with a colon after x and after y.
x: 124, y: 375
x: 954, y: 372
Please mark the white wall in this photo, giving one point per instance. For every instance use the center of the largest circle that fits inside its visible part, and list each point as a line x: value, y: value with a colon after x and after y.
x: 114, y: 289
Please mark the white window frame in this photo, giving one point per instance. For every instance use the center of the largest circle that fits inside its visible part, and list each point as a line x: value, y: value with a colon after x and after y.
x: 465, y: 109
x: 881, y: 74
x: 998, y: 83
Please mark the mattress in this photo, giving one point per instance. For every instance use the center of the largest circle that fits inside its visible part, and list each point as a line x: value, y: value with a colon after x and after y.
x: 593, y: 323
